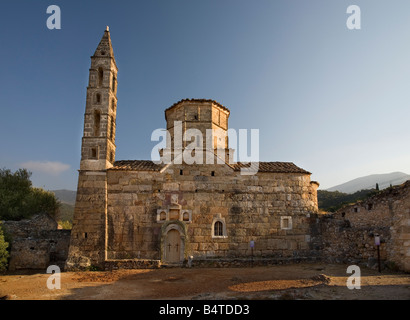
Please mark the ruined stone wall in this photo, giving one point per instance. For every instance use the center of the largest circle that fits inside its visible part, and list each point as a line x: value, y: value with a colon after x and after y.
x: 344, y: 243
x: 36, y: 243
x: 348, y: 234
x: 251, y: 207
x: 399, y: 246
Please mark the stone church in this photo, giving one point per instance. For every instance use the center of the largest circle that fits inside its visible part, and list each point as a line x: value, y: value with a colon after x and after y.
x: 146, y: 213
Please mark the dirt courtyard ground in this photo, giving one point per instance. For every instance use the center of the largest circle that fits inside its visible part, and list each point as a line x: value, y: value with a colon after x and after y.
x: 301, y: 281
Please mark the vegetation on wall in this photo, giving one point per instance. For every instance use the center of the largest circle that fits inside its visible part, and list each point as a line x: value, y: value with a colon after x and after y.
x: 4, y: 254
x: 65, y: 216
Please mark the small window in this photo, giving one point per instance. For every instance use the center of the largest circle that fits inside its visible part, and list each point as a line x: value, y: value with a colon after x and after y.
x: 185, y: 216
x: 343, y: 214
x: 113, y: 83
x: 286, y: 223
x: 100, y: 76
x: 112, y: 129
x: 370, y: 206
x: 213, y: 173
x: 94, y: 153
x: 356, y: 209
x: 97, y: 120
x: 163, y: 216
x: 218, y: 229
x: 85, y: 235
x: 181, y: 172
x: 98, y: 98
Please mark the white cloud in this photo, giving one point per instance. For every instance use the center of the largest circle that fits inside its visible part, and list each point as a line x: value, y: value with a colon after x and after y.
x: 48, y: 167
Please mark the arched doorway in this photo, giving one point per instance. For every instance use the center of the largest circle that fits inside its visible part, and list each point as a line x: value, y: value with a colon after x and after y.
x: 173, y: 246
x: 173, y: 238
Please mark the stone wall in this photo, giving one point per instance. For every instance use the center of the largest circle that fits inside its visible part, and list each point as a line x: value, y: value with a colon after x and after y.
x: 36, y: 243
x: 399, y: 246
x: 131, y: 264
x: 251, y: 207
x: 344, y: 243
x: 348, y: 234
x: 87, y: 245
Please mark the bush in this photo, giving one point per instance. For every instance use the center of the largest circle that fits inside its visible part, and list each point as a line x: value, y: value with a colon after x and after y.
x: 65, y: 225
x: 4, y: 255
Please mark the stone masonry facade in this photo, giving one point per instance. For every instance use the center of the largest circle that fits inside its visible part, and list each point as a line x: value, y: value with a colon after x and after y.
x: 144, y: 213
x: 174, y: 212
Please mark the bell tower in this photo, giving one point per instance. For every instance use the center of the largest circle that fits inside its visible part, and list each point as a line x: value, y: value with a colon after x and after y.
x: 98, y: 143
x: 88, y: 243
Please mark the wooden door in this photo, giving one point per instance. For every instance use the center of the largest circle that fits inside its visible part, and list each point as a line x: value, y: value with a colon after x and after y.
x: 173, y: 246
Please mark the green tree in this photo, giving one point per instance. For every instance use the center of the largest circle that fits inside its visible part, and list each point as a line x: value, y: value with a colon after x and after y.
x: 40, y: 200
x: 19, y: 200
x: 334, y: 200
x: 14, y: 188
x: 3, y: 251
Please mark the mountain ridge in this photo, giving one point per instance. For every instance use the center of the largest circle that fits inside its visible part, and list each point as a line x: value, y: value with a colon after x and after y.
x: 65, y: 196
x: 384, y: 181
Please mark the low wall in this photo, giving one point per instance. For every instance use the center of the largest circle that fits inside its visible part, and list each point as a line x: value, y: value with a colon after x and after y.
x: 249, y: 262
x: 131, y: 264
x: 344, y: 243
x: 36, y: 243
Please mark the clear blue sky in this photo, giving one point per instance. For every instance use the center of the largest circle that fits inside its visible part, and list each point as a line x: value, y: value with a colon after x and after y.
x: 332, y: 100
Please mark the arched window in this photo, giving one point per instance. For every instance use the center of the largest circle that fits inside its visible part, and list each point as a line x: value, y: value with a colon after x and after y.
x: 97, y: 121
x: 163, y: 216
x: 185, y: 216
x: 218, y: 229
x: 100, y: 76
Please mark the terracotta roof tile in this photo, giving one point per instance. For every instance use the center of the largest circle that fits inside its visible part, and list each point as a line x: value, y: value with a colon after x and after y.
x: 278, y: 167
x: 147, y: 165
x: 199, y: 101
x: 137, y: 165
